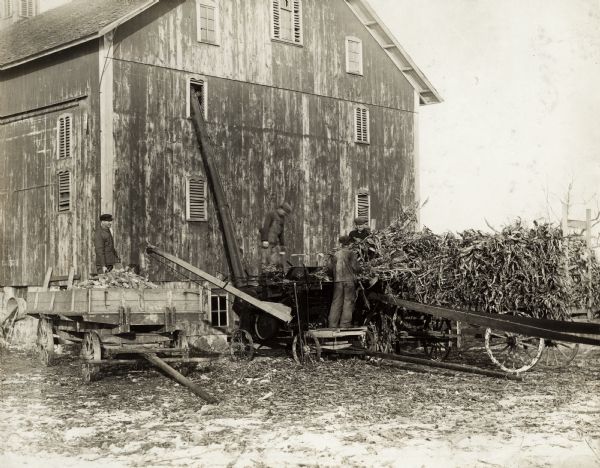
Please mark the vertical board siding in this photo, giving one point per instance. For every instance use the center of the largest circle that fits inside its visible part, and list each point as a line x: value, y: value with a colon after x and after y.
x: 269, y: 145
x: 34, y: 236
x: 280, y: 119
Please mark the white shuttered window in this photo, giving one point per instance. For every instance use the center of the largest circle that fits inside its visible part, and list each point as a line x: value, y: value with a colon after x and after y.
x: 64, y: 136
x: 362, y: 206
x: 361, y: 125
x: 287, y: 20
x: 354, y: 56
x: 196, y: 199
x: 64, y: 191
x: 208, y: 21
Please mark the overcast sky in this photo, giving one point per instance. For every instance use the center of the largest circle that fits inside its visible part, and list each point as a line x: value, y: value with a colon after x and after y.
x: 520, y: 117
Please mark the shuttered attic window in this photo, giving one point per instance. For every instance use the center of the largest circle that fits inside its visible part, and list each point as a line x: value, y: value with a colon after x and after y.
x: 27, y: 8
x: 7, y: 12
x: 361, y: 125
x: 64, y: 191
x: 354, y: 56
x: 207, y: 18
x: 64, y: 136
x: 196, y: 199
x: 287, y: 20
x: 362, y: 206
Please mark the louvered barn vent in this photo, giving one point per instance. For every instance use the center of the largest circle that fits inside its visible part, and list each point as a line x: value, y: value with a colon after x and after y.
x: 361, y: 125
x: 196, y: 200
x: 64, y: 191
x: 64, y: 136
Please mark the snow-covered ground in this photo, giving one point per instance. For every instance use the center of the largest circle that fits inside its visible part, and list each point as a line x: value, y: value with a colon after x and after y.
x: 274, y: 413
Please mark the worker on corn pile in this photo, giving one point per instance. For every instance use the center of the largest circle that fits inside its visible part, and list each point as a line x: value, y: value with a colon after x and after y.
x: 271, y: 236
x: 106, y: 255
x: 361, y: 229
x: 345, y: 267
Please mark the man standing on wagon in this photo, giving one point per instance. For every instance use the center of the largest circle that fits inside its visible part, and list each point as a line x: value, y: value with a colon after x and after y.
x: 106, y: 255
x: 345, y: 267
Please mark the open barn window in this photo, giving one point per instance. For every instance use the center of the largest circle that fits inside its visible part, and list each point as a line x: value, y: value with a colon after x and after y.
x: 354, y: 56
x: 218, y: 310
x: 196, y: 199
x: 287, y: 20
x: 362, y: 205
x: 361, y: 125
x: 197, y: 89
x: 64, y: 136
x: 64, y: 191
x: 207, y: 21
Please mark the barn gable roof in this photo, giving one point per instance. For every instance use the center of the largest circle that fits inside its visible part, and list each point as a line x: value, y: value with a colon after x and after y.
x: 66, y: 26
x: 365, y: 13
x: 83, y: 20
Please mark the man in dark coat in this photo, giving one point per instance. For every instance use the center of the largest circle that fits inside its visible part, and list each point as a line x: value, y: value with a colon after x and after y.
x: 361, y: 229
x: 271, y: 236
x: 106, y: 255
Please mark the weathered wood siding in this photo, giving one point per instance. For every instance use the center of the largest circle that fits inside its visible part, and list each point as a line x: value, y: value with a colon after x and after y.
x: 281, y: 119
x: 34, y: 236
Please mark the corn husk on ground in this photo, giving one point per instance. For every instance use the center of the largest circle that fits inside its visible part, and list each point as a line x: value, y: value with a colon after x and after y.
x: 519, y: 268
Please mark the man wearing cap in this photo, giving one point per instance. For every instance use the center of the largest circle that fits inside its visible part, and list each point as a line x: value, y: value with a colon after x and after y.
x: 361, y: 229
x: 344, y: 266
x: 106, y: 255
x: 271, y: 236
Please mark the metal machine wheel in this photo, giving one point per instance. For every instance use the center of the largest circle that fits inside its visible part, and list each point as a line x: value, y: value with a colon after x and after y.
x: 265, y: 326
x: 512, y: 352
x: 241, y: 345
x: 45, y: 341
x: 559, y: 353
x: 438, y: 346
x: 91, y: 354
x: 377, y: 325
x: 306, y: 349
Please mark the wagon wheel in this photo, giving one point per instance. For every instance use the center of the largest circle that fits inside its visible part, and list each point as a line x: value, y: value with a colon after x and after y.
x: 241, y: 345
x: 306, y: 349
x: 180, y: 341
x: 559, y: 353
x: 90, y: 355
x: 45, y: 341
x: 512, y: 352
x: 438, y: 346
x: 380, y: 338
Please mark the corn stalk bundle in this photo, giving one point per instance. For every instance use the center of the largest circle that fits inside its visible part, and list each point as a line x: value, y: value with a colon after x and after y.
x: 122, y: 278
x: 518, y: 269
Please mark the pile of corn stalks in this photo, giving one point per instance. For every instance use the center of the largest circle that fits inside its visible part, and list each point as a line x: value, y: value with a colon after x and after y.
x: 123, y: 278
x: 516, y: 269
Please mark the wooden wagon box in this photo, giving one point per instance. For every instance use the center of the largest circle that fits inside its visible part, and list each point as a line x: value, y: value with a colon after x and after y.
x: 122, y: 307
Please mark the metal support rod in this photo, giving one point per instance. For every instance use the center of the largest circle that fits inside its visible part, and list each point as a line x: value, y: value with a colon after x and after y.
x: 158, y: 362
x: 444, y: 365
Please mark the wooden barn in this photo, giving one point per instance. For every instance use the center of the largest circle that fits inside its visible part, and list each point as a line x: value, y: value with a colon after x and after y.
x: 307, y: 101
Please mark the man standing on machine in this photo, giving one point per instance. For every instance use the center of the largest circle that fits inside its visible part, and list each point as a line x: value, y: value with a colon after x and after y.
x: 345, y: 267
